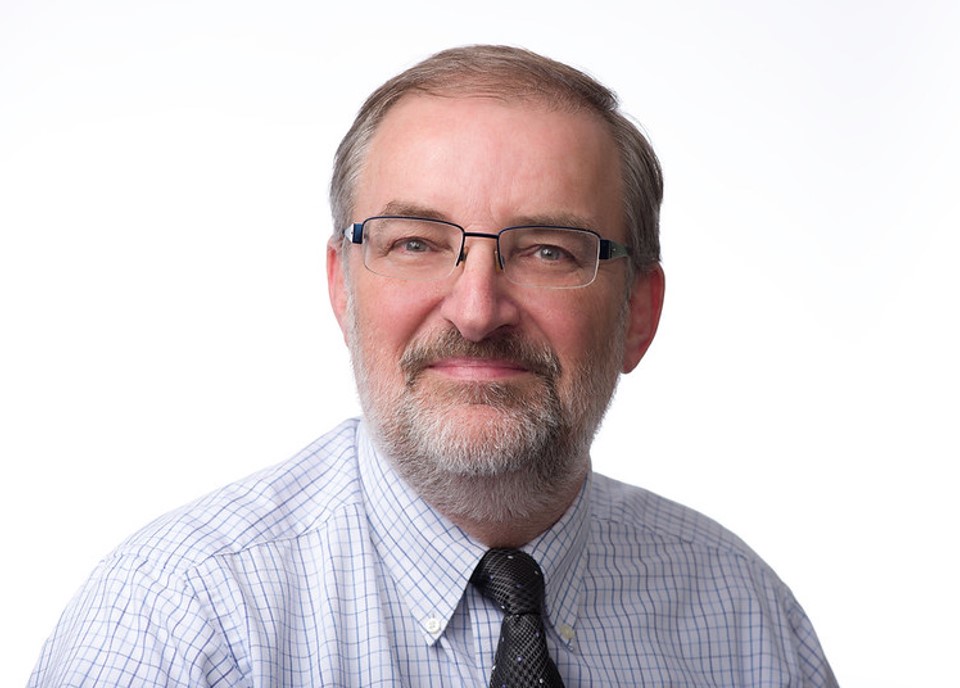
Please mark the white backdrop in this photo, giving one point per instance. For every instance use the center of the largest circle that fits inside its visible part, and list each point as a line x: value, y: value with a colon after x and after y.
x: 165, y: 327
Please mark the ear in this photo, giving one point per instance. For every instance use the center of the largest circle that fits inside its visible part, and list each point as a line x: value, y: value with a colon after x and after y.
x: 336, y: 282
x: 646, y: 303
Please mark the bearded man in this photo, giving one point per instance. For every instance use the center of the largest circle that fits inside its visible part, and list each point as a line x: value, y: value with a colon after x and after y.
x: 494, y: 269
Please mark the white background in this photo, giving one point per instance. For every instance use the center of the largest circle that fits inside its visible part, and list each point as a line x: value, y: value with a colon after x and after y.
x: 165, y: 327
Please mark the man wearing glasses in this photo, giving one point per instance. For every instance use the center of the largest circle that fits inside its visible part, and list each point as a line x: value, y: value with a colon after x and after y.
x: 494, y: 269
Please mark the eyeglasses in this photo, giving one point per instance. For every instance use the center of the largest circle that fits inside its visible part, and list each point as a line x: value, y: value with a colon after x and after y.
x: 422, y: 249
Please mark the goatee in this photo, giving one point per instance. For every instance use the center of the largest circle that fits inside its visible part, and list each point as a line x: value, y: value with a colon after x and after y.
x: 488, y: 451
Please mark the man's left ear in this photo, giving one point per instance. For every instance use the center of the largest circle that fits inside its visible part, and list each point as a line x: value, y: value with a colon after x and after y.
x: 646, y: 303
x: 336, y: 286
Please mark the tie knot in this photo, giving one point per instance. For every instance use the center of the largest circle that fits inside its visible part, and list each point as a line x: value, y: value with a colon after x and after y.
x: 512, y: 579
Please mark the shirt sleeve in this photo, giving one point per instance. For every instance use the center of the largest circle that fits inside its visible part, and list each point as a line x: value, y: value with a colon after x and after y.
x: 133, y: 625
x: 812, y: 663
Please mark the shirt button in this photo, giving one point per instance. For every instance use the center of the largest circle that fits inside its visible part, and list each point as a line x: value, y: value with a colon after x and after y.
x: 566, y: 632
x: 432, y: 625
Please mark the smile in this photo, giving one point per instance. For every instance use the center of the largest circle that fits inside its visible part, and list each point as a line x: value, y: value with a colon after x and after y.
x: 477, y: 369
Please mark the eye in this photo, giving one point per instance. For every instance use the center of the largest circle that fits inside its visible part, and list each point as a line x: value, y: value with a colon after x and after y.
x: 550, y: 254
x: 411, y: 245
x: 543, y: 256
x: 412, y: 239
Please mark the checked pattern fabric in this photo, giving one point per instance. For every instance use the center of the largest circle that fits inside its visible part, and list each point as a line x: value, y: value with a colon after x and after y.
x: 514, y: 581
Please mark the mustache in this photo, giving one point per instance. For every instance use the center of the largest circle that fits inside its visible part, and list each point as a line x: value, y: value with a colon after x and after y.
x: 539, y: 360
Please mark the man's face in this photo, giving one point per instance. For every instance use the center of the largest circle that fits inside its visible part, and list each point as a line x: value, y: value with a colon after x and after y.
x: 471, y: 375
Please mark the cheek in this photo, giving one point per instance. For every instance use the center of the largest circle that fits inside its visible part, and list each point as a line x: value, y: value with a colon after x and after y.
x: 575, y: 330
x: 388, y: 317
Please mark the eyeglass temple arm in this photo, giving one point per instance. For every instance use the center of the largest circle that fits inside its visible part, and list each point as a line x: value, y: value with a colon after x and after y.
x: 611, y: 249
x: 354, y: 232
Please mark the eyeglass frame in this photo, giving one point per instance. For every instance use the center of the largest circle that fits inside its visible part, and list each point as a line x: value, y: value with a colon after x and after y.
x: 609, y: 249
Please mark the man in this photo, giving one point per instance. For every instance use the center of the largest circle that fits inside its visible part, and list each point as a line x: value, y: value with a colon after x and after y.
x: 495, y: 267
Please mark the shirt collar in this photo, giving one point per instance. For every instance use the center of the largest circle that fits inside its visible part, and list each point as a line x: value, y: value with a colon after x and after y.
x: 430, y: 560
x: 561, y: 553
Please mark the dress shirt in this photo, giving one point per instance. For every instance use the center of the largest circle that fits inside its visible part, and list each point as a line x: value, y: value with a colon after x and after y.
x: 328, y: 570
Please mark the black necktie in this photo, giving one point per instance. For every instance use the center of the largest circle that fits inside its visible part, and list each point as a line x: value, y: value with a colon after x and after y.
x: 513, y: 580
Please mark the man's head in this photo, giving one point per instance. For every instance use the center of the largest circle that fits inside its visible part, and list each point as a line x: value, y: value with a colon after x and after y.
x: 483, y: 392
x: 513, y: 74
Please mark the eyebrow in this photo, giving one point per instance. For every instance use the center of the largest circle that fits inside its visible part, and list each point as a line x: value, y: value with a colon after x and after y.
x: 554, y: 220
x: 406, y: 209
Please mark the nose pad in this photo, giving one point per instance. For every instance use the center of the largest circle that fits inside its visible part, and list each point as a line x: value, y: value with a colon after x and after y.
x: 497, y: 257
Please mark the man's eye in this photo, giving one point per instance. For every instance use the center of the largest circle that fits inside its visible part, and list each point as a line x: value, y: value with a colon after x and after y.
x: 411, y: 245
x: 551, y: 254
x: 545, y: 254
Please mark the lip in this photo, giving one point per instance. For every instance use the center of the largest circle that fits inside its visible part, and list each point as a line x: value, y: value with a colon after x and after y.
x: 477, y: 369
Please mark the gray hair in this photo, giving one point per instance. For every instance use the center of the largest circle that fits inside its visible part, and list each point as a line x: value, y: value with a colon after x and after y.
x: 510, y: 74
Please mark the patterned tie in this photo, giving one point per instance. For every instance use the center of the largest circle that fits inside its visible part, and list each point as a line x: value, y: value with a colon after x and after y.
x: 513, y: 580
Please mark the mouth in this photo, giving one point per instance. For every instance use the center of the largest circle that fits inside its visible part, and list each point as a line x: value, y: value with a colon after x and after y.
x: 501, y: 359
x: 477, y: 369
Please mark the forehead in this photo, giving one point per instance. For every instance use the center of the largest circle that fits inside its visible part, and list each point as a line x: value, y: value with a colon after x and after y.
x: 484, y: 160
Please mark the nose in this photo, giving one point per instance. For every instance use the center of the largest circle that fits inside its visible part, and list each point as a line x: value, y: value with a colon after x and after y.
x: 480, y: 300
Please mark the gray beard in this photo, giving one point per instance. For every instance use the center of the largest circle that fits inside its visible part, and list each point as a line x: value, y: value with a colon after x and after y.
x: 533, y: 451
x: 525, y: 456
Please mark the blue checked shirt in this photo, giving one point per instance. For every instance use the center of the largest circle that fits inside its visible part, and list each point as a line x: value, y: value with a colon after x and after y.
x: 328, y: 570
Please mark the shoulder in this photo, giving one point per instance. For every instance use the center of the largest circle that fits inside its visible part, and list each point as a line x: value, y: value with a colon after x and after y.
x: 281, y: 502
x: 652, y: 559
x: 642, y: 517
x: 149, y: 599
x: 648, y: 540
